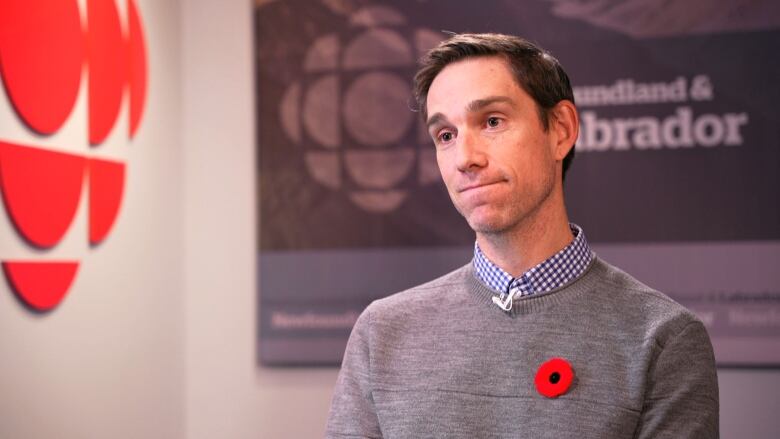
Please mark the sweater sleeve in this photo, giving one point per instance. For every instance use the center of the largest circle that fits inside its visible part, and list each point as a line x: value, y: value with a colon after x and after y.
x: 681, y: 400
x: 352, y: 413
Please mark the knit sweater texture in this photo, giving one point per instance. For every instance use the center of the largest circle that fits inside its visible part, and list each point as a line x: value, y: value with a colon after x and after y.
x: 441, y: 360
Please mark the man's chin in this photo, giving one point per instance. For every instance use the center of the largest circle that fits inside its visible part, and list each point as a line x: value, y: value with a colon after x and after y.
x: 488, y: 225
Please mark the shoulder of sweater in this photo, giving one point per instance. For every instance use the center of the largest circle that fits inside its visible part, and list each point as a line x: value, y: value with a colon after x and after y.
x: 656, y: 307
x: 423, y: 294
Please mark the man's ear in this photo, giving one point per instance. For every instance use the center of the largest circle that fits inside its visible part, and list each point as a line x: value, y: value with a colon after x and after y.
x: 565, y: 124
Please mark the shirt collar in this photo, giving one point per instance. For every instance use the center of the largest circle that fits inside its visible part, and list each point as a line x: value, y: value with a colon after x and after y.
x: 554, y: 272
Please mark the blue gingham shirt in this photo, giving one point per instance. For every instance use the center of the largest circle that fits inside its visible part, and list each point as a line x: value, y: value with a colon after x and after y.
x: 555, y: 271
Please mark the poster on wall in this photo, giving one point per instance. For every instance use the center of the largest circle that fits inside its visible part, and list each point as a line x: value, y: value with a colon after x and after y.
x: 675, y: 176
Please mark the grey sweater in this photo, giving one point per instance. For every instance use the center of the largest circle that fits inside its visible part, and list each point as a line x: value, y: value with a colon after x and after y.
x: 441, y: 360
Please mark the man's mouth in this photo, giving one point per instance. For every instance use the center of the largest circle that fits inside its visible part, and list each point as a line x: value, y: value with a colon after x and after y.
x: 479, y: 185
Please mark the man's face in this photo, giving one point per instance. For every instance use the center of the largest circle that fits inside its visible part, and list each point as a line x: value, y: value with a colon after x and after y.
x: 495, y: 156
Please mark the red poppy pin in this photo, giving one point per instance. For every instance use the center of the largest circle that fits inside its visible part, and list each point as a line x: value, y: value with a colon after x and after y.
x: 554, y: 377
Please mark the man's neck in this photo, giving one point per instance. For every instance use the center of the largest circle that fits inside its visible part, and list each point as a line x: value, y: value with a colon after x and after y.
x: 526, y: 245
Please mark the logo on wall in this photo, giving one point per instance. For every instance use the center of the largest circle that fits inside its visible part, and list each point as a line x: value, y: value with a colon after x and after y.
x: 350, y: 110
x: 46, y: 50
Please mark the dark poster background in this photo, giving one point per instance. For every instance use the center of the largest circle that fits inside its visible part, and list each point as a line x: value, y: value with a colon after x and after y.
x: 675, y: 176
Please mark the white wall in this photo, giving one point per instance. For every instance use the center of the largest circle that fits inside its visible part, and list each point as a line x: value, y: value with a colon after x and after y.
x: 219, y: 231
x: 748, y: 403
x: 109, y: 361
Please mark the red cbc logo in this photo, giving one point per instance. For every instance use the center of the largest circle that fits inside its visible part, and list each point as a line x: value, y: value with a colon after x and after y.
x: 45, y: 51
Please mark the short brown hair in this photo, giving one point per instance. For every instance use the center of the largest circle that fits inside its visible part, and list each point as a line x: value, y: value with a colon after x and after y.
x: 536, y: 71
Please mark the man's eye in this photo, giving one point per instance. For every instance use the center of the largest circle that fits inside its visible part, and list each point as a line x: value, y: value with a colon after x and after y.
x: 493, y: 122
x: 446, y: 136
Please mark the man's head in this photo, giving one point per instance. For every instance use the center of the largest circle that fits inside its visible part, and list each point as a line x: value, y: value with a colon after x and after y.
x: 502, y: 130
x: 536, y: 71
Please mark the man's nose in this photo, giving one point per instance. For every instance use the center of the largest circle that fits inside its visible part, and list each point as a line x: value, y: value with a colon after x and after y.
x: 471, y: 154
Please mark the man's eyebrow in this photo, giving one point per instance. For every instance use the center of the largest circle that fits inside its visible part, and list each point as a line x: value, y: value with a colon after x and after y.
x: 436, y: 119
x: 479, y: 104
x: 472, y: 107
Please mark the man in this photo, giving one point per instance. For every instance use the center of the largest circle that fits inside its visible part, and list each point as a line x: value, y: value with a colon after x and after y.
x: 537, y: 337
